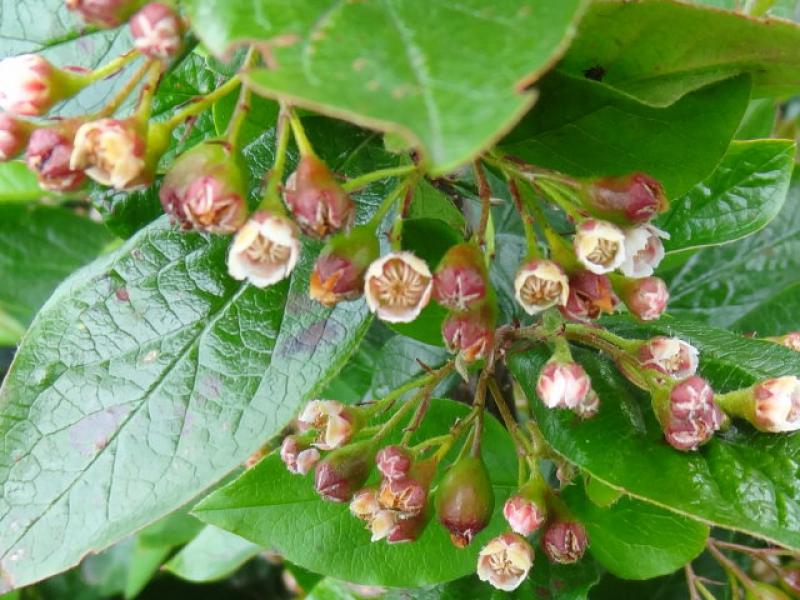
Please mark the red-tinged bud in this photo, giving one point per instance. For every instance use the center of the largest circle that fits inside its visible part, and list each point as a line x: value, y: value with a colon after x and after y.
x: 112, y: 152
x: 471, y: 334
x: 541, y: 284
x: 406, y: 530
x: 14, y: 136
x: 104, y: 13
x: 644, y: 250
x: 505, y: 561
x: 298, y: 456
x: 670, y: 356
x: 334, y: 422
x: 589, y: 296
x: 634, y: 198
x: 343, y: 471
x: 563, y: 384
x: 205, y: 190
x: 316, y: 200
x: 30, y: 85
x: 599, y: 246
x: 526, y: 510
x: 265, y: 250
x: 157, y: 31
x: 646, y: 298
x: 790, y: 340
x: 394, y: 462
x: 397, y: 287
x: 460, y: 281
x: 691, y: 416
x: 564, y: 542
x: 48, y: 155
x: 339, y: 271
x: 777, y: 404
x: 465, y: 500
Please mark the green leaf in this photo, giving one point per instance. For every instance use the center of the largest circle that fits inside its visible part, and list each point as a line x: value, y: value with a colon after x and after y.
x: 430, y: 203
x: 39, y: 247
x: 399, y: 361
x: 744, y: 193
x: 750, y: 285
x: 270, y: 506
x: 742, y: 480
x: 390, y: 65
x: 213, y: 554
x: 759, y: 120
x: 125, y: 213
x: 17, y: 183
x: 636, y: 540
x: 583, y: 128
x: 627, y: 46
x: 173, y: 530
x: 145, y: 561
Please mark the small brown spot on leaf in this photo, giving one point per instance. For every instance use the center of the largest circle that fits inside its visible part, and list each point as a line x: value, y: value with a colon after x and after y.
x: 595, y: 73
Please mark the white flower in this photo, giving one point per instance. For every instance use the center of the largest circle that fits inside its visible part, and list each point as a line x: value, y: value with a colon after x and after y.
x: 540, y: 284
x: 671, y: 356
x: 26, y: 84
x: 563, y: 385
x: 599, y: 245
x: 110, y: 151
x: 505, y: 561
x: 777, y: 404
x: 398, y: 286
x: 332, y: 421
x: 643, y: 250
x: 265, y: 250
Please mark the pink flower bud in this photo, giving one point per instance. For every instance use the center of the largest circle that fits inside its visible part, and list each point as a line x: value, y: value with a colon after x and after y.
x: 339, y: 271
x: 364, y: 504
x: 393, y: 462
x: 104, y: 13
x: 589, y: 296
x: 790, y: 340
x: 524, y: 515
x: 505, y: 561
x: 693, y: 416
x: 48, y: 155
x: 634, y: 198
x: 111, y: 152
x: 343, y: 471
x: 564, y: 542
x: 670, y: 356
x: 459, y: 283
x: 599, y: 246
x: 541, y: 284
x: 265, y: 250
x: 465, y: 500
x: 319, y: 204
x: 777, y: 404
x: 563, y: 385
x: 646, y: 298
x: 406, y: 496
x: 643, y: 250
x: 470, y: 334
x: 14, y: 135
x: 157, y: 31
x: 298, y: 456
x: 29, y: 85
x: 335, y: 423
x: 397, y: 287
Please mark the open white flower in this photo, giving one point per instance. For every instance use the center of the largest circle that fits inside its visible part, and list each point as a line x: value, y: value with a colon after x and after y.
x: 331, y: 419
x: 671, y: 356
x: 505, y: 561
x: 777, y: 404
x: 643, y: 250
x: 110, y: 151
x: 541, y: 284
x: 599, y: 245
x: 265, y: 250
x: 398, y: 286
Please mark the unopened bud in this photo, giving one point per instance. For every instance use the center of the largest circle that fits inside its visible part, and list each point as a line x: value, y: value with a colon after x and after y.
x: 526, y: 511
x: 343, y: 471
x: 590, y: 295
x: 541, y: 284
x: 48, y: 155
x: 14, y: 135
x: 157, y: 31
x: 316, y: 200
x: 670, y: 356
x: 460, y: 281
x: 393, y: 462
x: 634, y: 198
x: 465, y: 500
x: 406, y: 530
x: 777, y: 404
x: 112, y: 152
x: 470, y: 334
x: 564, y: 542
x: 30, y: 85
x: 790, y: 340
x: 563, y: 384
x: 505, y: 561
x: 646, y: 298
x: 265, y: 250
x: 406, y: 496
x: 334, y: 422
x: 298, y: 456
x: 643, y: 250
x: 397, y: 287
x: 104, y: 13
x: 339, y: 271
x: 691, y: 416
x: 599, y: 246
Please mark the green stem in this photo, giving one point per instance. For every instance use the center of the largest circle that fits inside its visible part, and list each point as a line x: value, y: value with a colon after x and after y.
x: 364, y: 180
x: 122, y: 94
x: 630, y: 346
x: 479, y: 403
x: 110, y: 67
x: 272, y: 200
x: 732, y: 568
x: 300, y: 137
x: 485, y: 194
x: 417, y: 419
x: 389, y: 399
x: 145, y: 108
x: 455, y: 434
x: 203, y: 102
x: 527, y: 220
x: 738, y: 403
x: 243, y: 104
x: 394, y: 196
x: 524, y: 446
x: 399, y: 414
